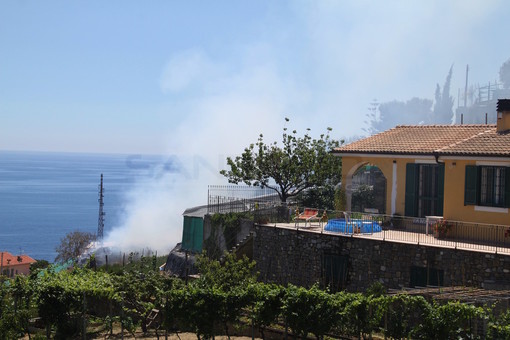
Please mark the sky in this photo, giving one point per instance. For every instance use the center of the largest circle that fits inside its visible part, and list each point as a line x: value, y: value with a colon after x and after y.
x: 200, y: 80
x: 162, y: 77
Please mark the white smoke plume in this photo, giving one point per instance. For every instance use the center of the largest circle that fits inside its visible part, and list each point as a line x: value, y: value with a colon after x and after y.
x: 234, y: 108
x: 320, y: 72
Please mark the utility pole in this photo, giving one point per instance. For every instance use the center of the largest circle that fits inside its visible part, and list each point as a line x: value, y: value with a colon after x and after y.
x: 100, y: 220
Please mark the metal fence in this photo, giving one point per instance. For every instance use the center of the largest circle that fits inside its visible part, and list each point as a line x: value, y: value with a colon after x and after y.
x: 239, y: 198
x: 107, y: 256
x: 431, y: 231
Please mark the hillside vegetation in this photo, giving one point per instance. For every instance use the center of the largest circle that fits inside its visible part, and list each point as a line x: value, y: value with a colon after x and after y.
x: 226, y: 296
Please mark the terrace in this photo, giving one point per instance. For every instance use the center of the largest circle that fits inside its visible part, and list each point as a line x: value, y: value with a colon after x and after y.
x: 267, y: 210
x: 459, y: 235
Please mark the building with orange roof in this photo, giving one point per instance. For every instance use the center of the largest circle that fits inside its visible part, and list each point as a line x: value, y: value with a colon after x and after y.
x: 12, y: 265
x: 458, y: 172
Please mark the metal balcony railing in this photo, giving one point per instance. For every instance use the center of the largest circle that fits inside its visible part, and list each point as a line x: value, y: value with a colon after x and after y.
x: 239, y: 198
x: 431, y: 231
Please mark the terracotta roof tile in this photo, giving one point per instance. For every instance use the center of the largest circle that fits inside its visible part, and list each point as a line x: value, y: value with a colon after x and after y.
x: 489, y: 143
x: 479, y: 140
x: 9, y: 259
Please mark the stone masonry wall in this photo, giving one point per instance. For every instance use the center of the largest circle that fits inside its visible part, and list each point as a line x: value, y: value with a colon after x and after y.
x: 295, y: 256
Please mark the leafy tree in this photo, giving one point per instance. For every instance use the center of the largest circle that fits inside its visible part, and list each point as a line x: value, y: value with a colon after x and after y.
x: 228, y: 284
x: 384, y: 116
x: 376, y: 289
x: 363, y: 197
x: 403, y: 312
x: 504, y: 74
x: 218, y: 296
x: 267, y: 305
x: 340, y: 199
x: 309, y: 311
x: 198, y: 308
x: 61, y: 297
x: 360, y: 314
x: 231, y: 274
x: 373, y: 118
x: 22, y: 292
x: 140, y: 292
x: 499, y: 327
x: 443, y: 107
x: 15, y: 306
x: 73, y: 245
x: 387, y: 115
x: 451, y: 320
x: 298, y: 164
x: 8, y: 326
x: 39, y: 264
x: 321, y: 197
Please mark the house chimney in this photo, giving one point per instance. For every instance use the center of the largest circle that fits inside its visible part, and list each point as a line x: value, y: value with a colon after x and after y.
x: 503, y: 123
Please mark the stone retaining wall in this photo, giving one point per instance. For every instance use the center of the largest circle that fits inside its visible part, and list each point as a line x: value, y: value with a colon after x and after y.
x: 298, y: 257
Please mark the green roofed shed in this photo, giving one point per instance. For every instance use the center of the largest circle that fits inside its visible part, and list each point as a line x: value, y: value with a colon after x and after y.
x: 193, y: 229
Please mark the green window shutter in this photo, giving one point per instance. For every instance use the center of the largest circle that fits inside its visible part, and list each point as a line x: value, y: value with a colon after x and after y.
x: 507, y: 187
x: 440, y: 190
x: 471, y: 185
x: 411, y: 189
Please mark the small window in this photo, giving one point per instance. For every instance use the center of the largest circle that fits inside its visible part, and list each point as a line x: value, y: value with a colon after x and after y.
x: 487, y: 186
x: 492, y: 186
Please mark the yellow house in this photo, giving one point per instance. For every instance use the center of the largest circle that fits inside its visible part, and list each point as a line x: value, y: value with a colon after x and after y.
x: 460, y: 172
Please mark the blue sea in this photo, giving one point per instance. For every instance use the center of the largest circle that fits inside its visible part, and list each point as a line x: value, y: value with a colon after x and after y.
x: 44, y: 196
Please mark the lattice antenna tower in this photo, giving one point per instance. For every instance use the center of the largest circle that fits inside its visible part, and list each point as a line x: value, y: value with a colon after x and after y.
x: 100, y: 219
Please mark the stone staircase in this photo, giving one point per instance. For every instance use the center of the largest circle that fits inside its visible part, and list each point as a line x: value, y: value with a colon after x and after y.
x: 243, y: 247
